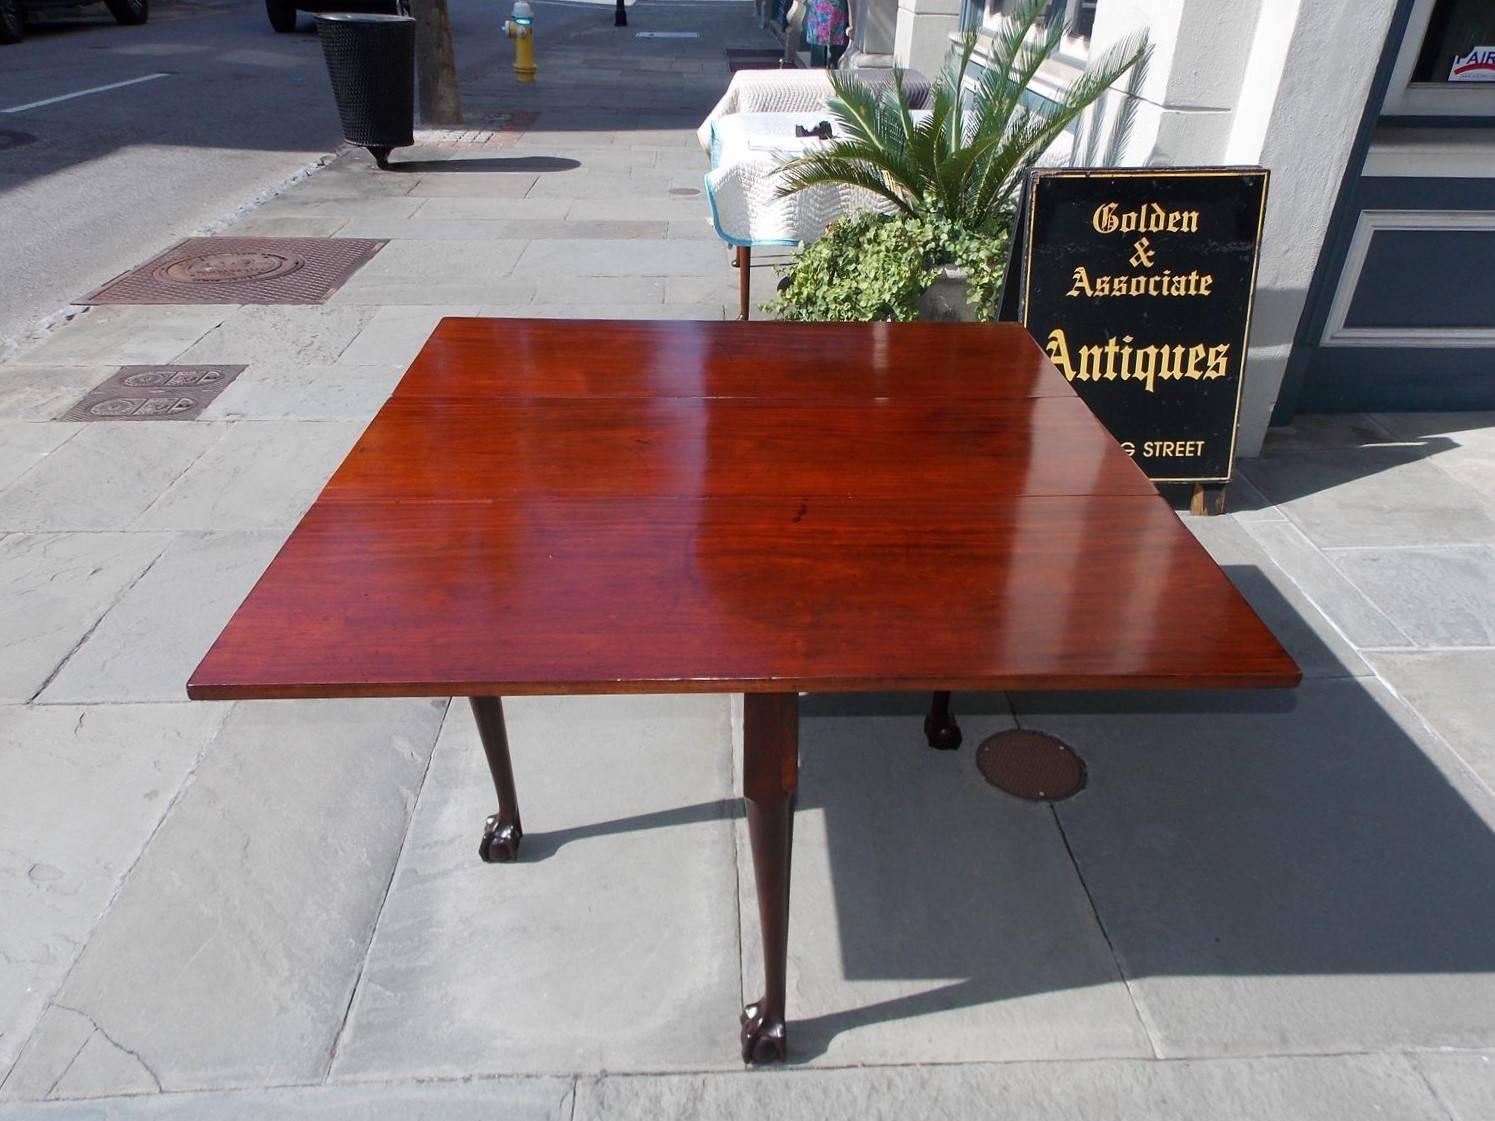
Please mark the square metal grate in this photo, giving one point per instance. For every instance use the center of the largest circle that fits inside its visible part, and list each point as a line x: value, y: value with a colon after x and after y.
x: 153, y: 393
x: 241, y: 270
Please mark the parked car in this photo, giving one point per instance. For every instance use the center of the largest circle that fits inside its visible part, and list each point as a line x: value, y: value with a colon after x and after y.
x: 283, y: 13
x: 13, y: 13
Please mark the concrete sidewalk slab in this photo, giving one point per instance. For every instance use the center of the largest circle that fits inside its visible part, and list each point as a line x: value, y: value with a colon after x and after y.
x: 126, y: 336
x: 1348, y: 1088
x: 568, y: 257
x: 260, y: 475
x: 394, y: 335
x: 1465, y: 442
x: 266, y: 391
x: 310, y: 335
x: 610, y: 945
x: 1464, y: 1083
x: 106, y: 476
x: 497, y: 1099
x: 41, y: 393
x: 121, y: 766
x: 147, y: 646
x: 1304, y: 871
x: 231, y: 953
x: 57, y: 587
x: 1315, y: 643
x: 1372, y: 496
x: 24, y: 444
x: 933, y: 918
x: 1438, y: 596
x: 1326, y: 587
x: 1450, y: 689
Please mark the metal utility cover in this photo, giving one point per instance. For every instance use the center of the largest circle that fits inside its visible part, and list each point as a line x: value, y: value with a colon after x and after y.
x: 154, y: 393
x: 241, y: 270
x: 1031, y: 765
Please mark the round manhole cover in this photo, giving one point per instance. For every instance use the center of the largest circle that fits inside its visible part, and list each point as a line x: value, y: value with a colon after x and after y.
x: 1031, y: 765
x: 10, y: 138
x: 228, y: 266
x: 685, y: 192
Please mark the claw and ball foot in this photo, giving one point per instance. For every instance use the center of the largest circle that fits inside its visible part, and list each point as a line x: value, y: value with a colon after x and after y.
x: 763, y: 1039
x: 500, y: 842
x: 940, y: 728
x: 501, y: 832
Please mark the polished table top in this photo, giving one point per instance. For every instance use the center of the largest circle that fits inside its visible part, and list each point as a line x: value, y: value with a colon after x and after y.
x: 553, y: 506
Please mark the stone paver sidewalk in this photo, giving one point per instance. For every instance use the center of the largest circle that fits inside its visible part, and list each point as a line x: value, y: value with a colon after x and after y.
x: 1263, y: 906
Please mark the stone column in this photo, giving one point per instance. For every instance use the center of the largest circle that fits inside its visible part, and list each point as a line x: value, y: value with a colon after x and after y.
x: 922, y: 36
x: 873, y: 23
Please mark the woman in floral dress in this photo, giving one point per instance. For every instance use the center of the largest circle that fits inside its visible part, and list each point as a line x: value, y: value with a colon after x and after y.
x: 826, y: 25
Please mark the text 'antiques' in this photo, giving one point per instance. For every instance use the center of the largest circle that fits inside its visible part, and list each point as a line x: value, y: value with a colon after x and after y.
x: 1138, y: 284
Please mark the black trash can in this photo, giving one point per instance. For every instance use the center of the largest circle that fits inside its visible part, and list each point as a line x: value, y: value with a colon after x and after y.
x: 371, y: 60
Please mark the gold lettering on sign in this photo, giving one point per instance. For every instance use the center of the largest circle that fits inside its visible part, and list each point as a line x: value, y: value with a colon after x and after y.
x: 1149, y: 218
x: 1165, y: 283
x: 1120, y: 359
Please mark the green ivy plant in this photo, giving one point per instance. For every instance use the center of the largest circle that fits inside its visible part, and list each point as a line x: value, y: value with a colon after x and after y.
x: 872, y: 266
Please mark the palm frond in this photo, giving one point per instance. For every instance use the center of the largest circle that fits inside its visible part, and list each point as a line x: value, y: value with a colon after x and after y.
x: 965, y: 159
x: 824, y: 168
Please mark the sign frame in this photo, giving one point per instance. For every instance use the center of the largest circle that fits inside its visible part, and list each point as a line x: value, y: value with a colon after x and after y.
x: 1026, y: 222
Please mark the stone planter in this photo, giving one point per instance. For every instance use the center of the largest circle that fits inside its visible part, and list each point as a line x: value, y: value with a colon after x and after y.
x: 947, y: 300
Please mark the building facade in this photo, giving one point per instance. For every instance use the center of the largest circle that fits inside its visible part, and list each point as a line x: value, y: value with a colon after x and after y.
x: 1377, y: 121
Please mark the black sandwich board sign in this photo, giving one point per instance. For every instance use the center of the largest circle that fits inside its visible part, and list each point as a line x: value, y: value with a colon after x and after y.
x: 1138, y: 284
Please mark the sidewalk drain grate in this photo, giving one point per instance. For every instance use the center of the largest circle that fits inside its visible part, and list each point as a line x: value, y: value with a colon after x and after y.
x: 153, y: 393
x: 241, y: 270
x: 1031, y: 765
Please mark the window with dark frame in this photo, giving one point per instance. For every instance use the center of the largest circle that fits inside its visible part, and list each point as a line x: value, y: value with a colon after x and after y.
x: 1455, y: 28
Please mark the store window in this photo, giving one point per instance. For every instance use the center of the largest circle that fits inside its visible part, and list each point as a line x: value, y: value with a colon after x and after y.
x: 1459, y: 45
x: 1446, y: 66
x: 1077, y: 16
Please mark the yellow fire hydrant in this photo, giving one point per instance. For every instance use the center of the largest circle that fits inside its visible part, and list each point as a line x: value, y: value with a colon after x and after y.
x: 520, y: 27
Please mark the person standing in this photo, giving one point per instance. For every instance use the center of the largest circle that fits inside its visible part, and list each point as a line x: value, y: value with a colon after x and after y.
x: 827, y: 25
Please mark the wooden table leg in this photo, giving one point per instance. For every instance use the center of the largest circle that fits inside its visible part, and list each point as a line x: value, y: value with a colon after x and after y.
x: 502, y: 831
x: 744, y: 280
x: 940, y: 728
x: 770, y: 776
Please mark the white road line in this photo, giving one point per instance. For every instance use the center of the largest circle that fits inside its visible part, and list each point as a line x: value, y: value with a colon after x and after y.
x: 82, y: 93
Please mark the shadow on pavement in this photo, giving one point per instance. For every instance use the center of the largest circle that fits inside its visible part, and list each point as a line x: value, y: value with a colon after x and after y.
x: 1304, y: 835
x: 515, y: 164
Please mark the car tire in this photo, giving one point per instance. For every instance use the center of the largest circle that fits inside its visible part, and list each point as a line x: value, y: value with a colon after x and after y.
x: 12, y: 21
x: 282, y: 15
x: 129, y: 12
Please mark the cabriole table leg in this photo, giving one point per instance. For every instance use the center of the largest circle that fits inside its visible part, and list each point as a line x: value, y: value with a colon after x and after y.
x: 940, y: 728
x: 770, y: 777
x: 502, y: 831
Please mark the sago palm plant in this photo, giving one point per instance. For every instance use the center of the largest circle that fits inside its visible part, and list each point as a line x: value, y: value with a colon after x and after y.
x: 963, y: 161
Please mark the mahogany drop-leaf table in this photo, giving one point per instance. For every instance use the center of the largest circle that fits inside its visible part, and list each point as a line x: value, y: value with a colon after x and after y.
x: 563, y: 507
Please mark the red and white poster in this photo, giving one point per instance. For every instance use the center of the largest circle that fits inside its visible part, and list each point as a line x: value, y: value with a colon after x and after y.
x: 1476, y: 66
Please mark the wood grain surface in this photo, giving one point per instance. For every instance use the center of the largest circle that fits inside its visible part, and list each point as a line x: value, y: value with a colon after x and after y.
x: 947, y: 526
